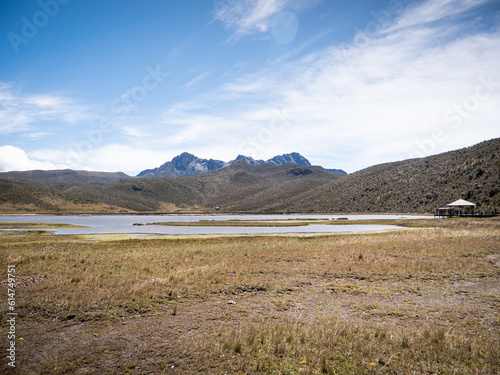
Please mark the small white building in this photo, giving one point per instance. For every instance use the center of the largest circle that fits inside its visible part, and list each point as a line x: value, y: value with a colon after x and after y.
x: 460, y: 207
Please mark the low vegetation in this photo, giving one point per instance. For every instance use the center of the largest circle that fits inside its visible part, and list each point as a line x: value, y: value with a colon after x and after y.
x: 20, y: 225
x: 415, y: 185
x: 421, y: 300
x: 17, y: 197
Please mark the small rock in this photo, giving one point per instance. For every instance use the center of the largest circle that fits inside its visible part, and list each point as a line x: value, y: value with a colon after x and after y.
x: 231, y: 302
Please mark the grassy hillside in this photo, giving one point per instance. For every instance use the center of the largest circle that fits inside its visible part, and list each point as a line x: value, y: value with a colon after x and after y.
x: 16, y: 197
x: 416, y: 185
x: 243, y: 182
x: 148, y: 194
x: 62, y: 176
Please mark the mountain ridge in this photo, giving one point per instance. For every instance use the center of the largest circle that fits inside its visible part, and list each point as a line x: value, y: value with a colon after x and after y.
x: 48, y: 178
x: 187, y: 164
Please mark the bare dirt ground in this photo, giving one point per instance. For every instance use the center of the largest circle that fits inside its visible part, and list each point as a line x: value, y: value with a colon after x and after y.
x: 138, y: 343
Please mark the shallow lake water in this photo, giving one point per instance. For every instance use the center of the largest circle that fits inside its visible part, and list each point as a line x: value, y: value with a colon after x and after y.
x: 124, y: 224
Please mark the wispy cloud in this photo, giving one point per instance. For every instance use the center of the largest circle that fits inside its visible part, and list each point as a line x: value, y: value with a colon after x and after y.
x: 431, y: 11
x: 369, y: 102
x: 19, y: 111
x: 297, y: 50
x: 247, y: 17
x: 200, y: 77
x: 134, y: 131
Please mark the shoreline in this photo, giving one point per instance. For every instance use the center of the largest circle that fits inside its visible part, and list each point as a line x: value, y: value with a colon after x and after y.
x: 217, y: 213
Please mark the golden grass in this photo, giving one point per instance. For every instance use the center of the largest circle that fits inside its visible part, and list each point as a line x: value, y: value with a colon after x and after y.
x: 416, y: 300
x: 27, y: 225
x: 331, y: 346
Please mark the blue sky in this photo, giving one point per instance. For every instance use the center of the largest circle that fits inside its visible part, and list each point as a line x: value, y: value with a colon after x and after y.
x: 127, y: 85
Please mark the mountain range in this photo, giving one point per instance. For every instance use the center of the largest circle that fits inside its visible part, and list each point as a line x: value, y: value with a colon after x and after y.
x: 222, y: 188
x: 412, y: 186
x: 187, y: 164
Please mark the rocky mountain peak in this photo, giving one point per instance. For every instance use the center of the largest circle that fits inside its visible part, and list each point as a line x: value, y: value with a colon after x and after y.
x: 294, y: 158
x: 247, y: 159
x: 182, y: 161
x: 187, y: 164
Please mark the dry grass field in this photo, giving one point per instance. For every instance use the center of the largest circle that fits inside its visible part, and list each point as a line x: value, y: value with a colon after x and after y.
x: 421, y: 300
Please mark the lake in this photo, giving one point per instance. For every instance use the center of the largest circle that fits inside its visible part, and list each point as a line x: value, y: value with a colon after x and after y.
x: 124, y: 224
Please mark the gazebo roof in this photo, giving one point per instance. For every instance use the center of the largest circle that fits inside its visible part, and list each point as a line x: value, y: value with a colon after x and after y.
x: 461, y: 202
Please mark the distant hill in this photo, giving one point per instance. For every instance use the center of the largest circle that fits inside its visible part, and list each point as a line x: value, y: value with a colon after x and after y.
x: 187, y: 164
x: 337, y: 170
x: 16, y: 197
x: 65, y: 176
x: 416, y: 185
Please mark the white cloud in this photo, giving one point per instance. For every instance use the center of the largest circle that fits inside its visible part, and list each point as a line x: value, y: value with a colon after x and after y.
x: 134, y: 132
x: 375, y: 101
x: 120, y: 157
x: 434, y: 10
x: 15, y: 159
x: 198, y: 78
x: 384, y: 99
x: 19, y: 111
x: 247, y: 17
